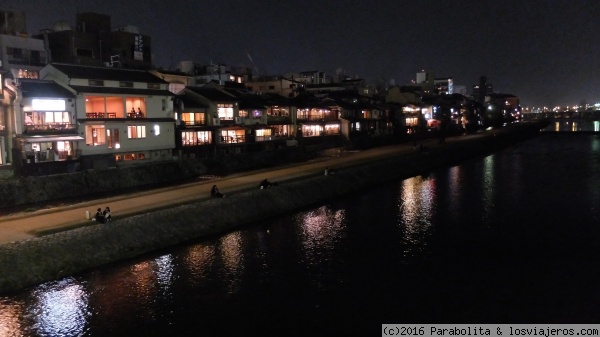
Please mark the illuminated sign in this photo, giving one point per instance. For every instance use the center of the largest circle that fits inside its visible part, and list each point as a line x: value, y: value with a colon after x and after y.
x: 138, y: 48
x: 48, y: 104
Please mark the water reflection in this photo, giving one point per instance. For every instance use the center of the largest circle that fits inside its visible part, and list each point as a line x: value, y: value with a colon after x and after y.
x: 320, y: 232
x: 574, y: 126
x: 230, y: 252
x: 10, y: 317
x: 321, y: 229
x: 417, y: 200
x: 488, y: 189
x: 199, y: 258
x: 61, y: 308
x: 164, y: 272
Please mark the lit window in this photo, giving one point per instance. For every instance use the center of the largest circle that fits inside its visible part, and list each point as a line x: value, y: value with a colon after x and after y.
x: 136, y: 131
x: 95, y: 135
x: 225, y: 111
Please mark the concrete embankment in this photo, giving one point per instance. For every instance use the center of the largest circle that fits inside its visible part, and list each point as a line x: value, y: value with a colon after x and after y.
x: 54, y: 256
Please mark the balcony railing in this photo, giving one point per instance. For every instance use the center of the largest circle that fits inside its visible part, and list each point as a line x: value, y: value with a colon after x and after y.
x: 317, y: 117
x: 101, y: 115
x: 49, y: 127
x: 232, y: 139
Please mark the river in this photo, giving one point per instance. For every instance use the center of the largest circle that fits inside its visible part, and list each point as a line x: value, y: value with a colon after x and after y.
x: 508, y: 238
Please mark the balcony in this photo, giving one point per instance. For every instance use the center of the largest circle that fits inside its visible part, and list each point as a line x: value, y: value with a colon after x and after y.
x: 50, y: 128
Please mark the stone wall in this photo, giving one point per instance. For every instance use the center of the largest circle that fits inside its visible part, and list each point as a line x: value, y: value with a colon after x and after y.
x: 66, y: 253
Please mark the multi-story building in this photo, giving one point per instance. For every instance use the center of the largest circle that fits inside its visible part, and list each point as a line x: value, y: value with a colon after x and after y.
x: 275, y: 85
x: 45, y: 131
x: 215, y: 73
x: 20, y: 57
x: 444, y: 86
x: 124, y: 116
x: 95, y: 42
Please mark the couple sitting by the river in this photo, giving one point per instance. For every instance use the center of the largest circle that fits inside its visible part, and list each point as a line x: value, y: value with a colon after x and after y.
x: 103, y: 216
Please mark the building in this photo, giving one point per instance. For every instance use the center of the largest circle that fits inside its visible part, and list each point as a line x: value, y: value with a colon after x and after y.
x: 20, y: 57
x: 217, y: 73
x: 444, y: 86
x: 125, y: 116
x: 46, y: 138
x: 94, y: 42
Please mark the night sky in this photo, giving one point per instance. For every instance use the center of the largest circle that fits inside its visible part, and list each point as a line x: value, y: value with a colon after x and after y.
x: 545, y: 52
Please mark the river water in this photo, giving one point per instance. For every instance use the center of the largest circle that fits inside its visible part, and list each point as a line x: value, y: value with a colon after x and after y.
x: 508, y: 238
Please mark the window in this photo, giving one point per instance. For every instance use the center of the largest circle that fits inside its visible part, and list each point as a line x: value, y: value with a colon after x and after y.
x: 233, y: 136
x: 136, y: 107
x: 277, y: 111
x: 312, y: 130
x: 263, y: 134
x: 82, y: 52
x: 126, y: 84
x: 96, y: 83
x: 24, y: 73
x: 131, y: 156
x: 153, y: 86
x: 112, y: 139
x: 332, y: 129
x: 193, y: 118
x: 156, y: 129
x: 95, y: 135
x: 196, y: 138
x: 257, y: 114
x: 225, y: 111
x: 57, y: 117
x: 243, y: 113
x: 136, y: 131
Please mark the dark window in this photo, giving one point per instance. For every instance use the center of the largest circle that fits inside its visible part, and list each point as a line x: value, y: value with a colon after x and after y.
x: 96, y: 83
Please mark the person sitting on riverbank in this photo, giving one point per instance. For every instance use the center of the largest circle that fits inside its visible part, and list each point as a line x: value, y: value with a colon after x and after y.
x: 266, y: 184
x: 214, y: 192
x: 329, y: 172
x: 106, y: 213
x: 99, y: 216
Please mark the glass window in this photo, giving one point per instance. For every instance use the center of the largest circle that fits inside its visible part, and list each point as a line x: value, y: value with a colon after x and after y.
x: 193, y: 118
x: 233, y: 136
x: 95, y: 135
x: 112, y: 138
x: 225, y: 111
x: 193, y: 138
x: 136, y: 131
x: 263, y: 134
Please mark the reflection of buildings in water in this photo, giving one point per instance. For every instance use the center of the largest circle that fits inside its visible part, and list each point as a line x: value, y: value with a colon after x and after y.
x: 63, y: 309
x: 143, y: 276
x: 230, y: 251
x: 164, y: 272
x: 417, y: 200
x: 11, y: 318
x: 321, y: 228
x: 198, y: 260
x: 489, y: 189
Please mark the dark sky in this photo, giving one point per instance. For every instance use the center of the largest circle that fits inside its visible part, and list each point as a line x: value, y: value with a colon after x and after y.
x: 545, y: 52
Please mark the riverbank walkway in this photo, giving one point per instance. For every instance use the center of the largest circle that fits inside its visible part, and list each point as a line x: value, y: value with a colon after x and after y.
x: 26, y: 225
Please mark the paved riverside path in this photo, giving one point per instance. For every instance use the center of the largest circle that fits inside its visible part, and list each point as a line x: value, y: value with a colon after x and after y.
x: 25, y: 225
